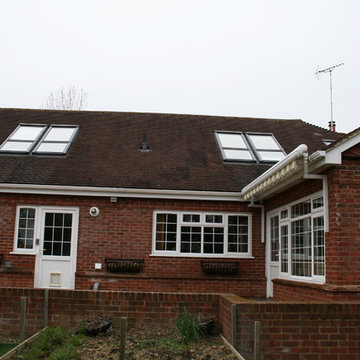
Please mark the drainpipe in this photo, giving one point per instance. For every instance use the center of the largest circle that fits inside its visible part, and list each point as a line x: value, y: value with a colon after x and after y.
x: 324, y: 187
x: 262, y: 217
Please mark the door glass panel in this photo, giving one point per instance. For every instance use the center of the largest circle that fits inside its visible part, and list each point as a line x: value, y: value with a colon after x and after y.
x: 284, y: 249
x: 57, y: 234
x: 274, y: 237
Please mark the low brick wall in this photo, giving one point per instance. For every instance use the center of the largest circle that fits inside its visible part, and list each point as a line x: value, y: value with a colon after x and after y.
x: 289, y: 330
x: 297, y: 331
x: 70, y: 307
x: 285, y: 290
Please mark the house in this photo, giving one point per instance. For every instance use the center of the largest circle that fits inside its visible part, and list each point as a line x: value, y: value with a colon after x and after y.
x: 184, y: 203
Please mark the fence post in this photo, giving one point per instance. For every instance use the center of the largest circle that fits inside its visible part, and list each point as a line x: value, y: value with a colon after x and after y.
x: 123, y: 328
x: 46, y: 307
x: 234, y: 324
x: 257, y: 340
x: 22, y: 317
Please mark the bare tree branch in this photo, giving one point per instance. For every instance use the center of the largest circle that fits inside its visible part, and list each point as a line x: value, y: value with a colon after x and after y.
x: 67, y: 99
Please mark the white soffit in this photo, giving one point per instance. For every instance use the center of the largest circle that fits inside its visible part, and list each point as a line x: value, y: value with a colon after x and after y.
x: 276, y: 174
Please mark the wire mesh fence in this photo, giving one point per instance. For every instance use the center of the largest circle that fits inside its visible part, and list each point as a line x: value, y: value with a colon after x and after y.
x: 246, y: 336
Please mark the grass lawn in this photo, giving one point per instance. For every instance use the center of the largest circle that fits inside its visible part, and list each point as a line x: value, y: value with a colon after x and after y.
x: 4, y: 348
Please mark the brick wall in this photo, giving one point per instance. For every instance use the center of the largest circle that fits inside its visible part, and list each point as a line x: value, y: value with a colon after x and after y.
x: 289, y: 330
x: 285, y: 290
x: 124, y: 230
x: 299, y: 191
x: 70, y: 307
x: 343, y: 241
x: 299, y: 331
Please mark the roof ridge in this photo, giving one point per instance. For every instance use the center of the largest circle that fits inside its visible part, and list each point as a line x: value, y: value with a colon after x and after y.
x: 149, y: 113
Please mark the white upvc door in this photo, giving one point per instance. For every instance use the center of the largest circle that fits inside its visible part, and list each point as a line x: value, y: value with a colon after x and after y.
x: 56, y: 243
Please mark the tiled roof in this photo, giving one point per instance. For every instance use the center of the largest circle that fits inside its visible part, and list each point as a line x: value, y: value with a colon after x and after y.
x: 184, y: 153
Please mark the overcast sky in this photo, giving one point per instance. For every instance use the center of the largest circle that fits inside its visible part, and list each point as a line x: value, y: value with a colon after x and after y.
x: 225, y: 57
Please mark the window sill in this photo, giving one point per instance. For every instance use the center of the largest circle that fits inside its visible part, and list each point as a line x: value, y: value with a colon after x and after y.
x: 208, y: 256
x: 301, y: 282
x: 22, y: 253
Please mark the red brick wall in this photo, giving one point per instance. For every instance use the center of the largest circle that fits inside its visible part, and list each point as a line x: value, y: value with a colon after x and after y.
x: 286, y: 290
x: 70, y: 307
x: 343, y: 241
x: 124, y: 230
x: 300, y: 331
x: 316, y: 331
x: 299, y: 191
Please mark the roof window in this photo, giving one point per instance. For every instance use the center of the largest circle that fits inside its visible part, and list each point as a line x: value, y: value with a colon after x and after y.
x: 249, y: 147
x: 39, y: 139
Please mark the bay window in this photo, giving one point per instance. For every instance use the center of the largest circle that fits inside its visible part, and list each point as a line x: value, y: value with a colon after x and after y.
x: 297, y: 239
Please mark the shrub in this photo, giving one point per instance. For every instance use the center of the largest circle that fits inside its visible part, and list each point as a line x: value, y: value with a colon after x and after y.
x: 188, y: 327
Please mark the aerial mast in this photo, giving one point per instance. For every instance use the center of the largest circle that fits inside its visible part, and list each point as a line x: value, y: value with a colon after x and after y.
x: 330, y: 70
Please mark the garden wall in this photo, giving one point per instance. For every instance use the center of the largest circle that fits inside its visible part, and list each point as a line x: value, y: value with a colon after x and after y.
x: 70, y: 307
x: 294, y: 331
x: 289, y: 330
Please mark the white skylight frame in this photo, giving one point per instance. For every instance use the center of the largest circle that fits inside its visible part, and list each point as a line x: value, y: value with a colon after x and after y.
x: 270, y: 146
x: 39, y: 139
x: 231, y: 151
x: 52, y: 143
x: 20, y: 142
x: 256, y: 147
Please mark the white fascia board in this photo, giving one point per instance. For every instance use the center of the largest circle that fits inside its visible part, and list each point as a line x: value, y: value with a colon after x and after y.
x: 332, y: 156
x: 288, y: 160
x: 119, y: 192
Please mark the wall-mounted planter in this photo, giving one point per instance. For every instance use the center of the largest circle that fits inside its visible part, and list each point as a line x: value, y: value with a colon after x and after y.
x: 123, y: 265
x: 219, y: 267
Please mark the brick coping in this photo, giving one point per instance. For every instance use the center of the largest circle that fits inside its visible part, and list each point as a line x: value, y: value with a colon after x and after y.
x: 322, y: 287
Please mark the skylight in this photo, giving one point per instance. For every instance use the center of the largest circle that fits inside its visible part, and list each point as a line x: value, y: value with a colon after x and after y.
x: 233, y: 147
x: 42, y: 139
x: 266, y: 147
x: 249, y: 147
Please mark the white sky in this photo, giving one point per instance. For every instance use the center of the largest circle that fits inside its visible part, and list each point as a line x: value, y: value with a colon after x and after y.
x: 226, y: 57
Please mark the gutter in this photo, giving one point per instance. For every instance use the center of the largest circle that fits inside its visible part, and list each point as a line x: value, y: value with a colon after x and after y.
x: 119, y: 192
x: 249, y: 191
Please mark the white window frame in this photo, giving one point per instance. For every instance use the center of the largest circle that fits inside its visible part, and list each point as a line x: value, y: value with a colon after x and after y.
x: 314, y: 213
x: 40, y: 139
x: 37, y: 226
x: 250, y: 147
x: 202, y: 224
x: 16, y: 249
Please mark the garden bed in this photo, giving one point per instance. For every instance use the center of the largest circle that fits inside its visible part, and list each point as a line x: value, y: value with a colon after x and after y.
x: 144, y: 343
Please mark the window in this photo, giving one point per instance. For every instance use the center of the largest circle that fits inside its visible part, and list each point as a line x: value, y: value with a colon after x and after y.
x: 247, y: 147
x: 233, y: 147
x: 266, y: 147
x: 25, y: 229
x: 39, y: 139
x: 300, y: 238
x: 23, y: 139
x: 274, y: 238
x: 202, y: 234
x: 49, y: 228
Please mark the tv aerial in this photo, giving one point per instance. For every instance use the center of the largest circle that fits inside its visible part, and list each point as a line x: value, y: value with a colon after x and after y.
x: 329, y: 70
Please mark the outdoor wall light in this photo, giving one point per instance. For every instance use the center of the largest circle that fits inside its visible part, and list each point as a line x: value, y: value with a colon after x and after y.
x: 94, y: 211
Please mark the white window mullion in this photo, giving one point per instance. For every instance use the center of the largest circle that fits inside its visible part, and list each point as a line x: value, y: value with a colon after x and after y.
x: 178, y: 233
x: 226, y: 228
